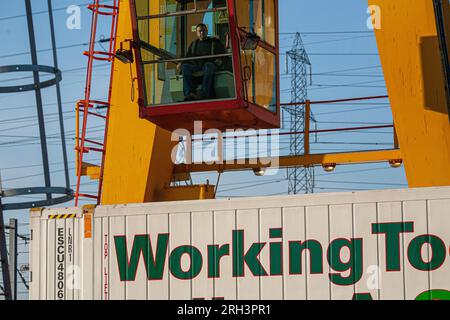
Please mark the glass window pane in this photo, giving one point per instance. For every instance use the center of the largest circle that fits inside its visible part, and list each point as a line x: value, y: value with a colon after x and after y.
x: 265, y: 79
x: 243, y: 14
x: 258, y: 16
x: 167, y: 39
x: 259, y: 71
x: 269, y: 22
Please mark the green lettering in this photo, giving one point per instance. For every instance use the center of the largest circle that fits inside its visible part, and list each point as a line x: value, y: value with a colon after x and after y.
x: 296, y: 249
x: 276, y: 257
x: 437, y: 253
x: 354, y: 263
x: 215, y: 253
x: 392, y: 233
x: 435, y: 294
x: 195, y: 266
x: 362, y: 296
x: 250, y: 258
x: 141, y: 244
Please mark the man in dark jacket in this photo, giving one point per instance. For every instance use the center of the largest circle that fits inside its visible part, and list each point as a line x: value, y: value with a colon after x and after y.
x: 203, y: 46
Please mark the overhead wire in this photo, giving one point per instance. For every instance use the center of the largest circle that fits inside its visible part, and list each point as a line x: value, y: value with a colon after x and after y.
x: 46, y: 11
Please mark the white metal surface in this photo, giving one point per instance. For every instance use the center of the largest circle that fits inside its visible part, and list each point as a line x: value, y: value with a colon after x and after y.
x: 324, y: 246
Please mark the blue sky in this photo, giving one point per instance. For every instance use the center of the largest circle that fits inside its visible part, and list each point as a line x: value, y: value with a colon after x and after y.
x: 336, y: 75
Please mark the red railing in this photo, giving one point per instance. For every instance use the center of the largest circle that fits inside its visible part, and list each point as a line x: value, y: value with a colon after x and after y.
x: 308, y: 104
x: 333, y: 101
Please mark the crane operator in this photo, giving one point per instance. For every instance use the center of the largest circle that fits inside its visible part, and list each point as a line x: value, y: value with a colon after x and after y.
x: 203, y: 46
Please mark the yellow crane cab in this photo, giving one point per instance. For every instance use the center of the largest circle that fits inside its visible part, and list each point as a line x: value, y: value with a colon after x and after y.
x: 245, y: 89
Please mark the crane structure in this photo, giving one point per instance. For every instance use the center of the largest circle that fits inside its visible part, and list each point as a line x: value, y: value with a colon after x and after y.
x: 411, y: 49
x: 146, y: 107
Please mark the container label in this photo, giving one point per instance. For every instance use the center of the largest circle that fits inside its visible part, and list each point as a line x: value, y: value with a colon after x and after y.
x: 341, y: 260
x: 60, y: 264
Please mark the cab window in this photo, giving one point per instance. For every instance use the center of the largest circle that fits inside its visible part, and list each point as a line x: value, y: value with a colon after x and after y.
x: 167, y: 29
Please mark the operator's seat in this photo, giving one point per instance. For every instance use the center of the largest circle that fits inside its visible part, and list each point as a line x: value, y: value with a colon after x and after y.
x: 223, y: 85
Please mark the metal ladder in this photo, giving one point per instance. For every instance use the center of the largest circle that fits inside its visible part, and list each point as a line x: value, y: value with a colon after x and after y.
x: 85, y: 107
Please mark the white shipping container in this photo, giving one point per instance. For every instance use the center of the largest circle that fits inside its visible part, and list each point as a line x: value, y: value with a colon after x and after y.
x: 391, y: 244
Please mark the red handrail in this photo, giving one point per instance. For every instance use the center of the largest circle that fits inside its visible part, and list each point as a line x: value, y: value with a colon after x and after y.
x: 298, y: 132
x: 287, y: 104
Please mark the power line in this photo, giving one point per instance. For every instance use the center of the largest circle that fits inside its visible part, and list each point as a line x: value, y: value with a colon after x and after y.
x: 286, y: 76
x: 348, y: 111
x: 338, y: 40
x: 326, y: 32
x: 46, y: 11
x: 339, y: 54
x: 253, y: 184
x: 353, y: 84
x: 47, y: 104
x: 33, y: 175
x: 6, y: 96
x: 354, y: 69
x: 28, y: 118
x: 353, y: 171
x: 363, y: 182
x: 330, y: 41
x: 50, y: 49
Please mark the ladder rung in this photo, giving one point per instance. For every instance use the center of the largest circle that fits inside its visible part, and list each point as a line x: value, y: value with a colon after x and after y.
x: 84, y: 195
x: 95, y: 8
x: 91, y: 103
x: 87, y: 149
x: 103, y: 103
x: 79, y: 149
x: 97, y: 115
x: 94, y: 114
x: 96, y: 55
x: 93, y: 142
x: 94, y: 149
x: 81, y: 104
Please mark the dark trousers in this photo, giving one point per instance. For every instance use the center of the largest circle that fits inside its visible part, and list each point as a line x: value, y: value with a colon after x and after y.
x: 209, y: 69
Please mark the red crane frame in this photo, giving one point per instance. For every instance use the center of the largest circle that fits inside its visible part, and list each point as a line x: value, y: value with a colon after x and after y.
x: 236, y: 113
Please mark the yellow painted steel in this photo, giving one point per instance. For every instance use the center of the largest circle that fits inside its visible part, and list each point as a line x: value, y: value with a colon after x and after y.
x: 91, y: 170
x: 138, y: 163
x: 199, y: 192
x: 410, y: 56
x: 293, y: 161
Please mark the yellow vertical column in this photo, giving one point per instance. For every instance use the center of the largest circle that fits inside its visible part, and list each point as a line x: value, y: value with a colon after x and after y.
x: 410, y: 56
x: 138, y: 154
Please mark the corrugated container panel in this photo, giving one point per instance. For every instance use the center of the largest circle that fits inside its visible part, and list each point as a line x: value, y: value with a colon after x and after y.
x: 364, y: 215
x: 380, y: 245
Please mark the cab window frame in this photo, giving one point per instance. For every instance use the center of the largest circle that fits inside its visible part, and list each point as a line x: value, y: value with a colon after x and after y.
x: 263, y: 44
x: 143, y: 76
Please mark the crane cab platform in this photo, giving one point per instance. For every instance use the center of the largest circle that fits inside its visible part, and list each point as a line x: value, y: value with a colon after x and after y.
x: 244, y: 93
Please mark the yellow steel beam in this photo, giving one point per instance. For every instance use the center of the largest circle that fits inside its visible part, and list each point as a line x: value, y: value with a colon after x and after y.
x: 292, y: 161
x: 91, y: 170
x: 410, y: 55
x: 180, y: 193
x: 138, y: 162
